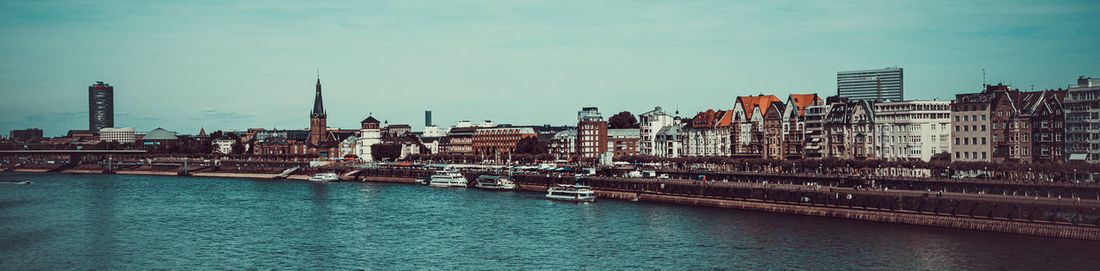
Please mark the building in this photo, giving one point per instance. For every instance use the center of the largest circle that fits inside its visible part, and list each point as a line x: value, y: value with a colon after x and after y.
x: 25, y: 134
x: 622, y: 142
x: 499, y: 143
x: 101, y: 106
x: 159, y: 140
x: 815, y: 140
x: 649, y: 124
x: 397, y: 130
x: 591, y: 133
x: 748, y: 125
x: 998, y: 124
x: 317, y: 119
x: 1047, y: 117
x: 83, y: 136
x: 970, y: 122
x: 773, y: 131
x: 708, y: 134
x: 459, y: 141
x: 669, y: 142
x: 563, y: 145
x: 1082, y: 121
x: 872, y: 85
x: 121, y: 135
x: 848, y: 128
x: 369, y: 135
x: 223, y: 145
x: 912, y: 130
x: 793, y: 143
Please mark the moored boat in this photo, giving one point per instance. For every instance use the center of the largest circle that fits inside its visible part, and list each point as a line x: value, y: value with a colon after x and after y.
x: 324, y: 177
x: 447, y: 179
x: 494, y: 183
x: 575, y: 192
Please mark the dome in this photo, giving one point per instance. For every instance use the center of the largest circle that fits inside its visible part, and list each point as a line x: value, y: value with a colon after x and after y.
x: 160, y: 134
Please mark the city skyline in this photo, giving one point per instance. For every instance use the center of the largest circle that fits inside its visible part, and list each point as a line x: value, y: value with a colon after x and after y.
x: 253, y: 65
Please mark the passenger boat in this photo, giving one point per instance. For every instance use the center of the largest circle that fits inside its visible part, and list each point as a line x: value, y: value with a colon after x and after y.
x: 447, y: 179
x: 324, y: 177
x: 575, y: 192
x: 494, y: 183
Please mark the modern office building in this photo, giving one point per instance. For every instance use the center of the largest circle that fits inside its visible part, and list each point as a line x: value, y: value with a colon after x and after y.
x: 1082, y: 117
x: 101, y: 106
x: 871, y: 85
x: 427, y: 118
x: 121, y: 135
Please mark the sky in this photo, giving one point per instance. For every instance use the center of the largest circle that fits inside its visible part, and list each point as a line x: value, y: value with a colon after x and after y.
x: 233, y: 65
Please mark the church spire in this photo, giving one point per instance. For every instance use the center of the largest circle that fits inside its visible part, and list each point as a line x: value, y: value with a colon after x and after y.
x: 318, y: 108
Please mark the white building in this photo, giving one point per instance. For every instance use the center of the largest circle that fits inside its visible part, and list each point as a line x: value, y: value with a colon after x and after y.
x: 650, y: 123
x: 223, y: 145
x: 668, y: 142
x: 564, y: 144
x: 1082, y: 107
x: 369, y: 135
x: 347, y: 146
x: 434, y: 131
x: 708, y: 134
x: 121, y: 135
x: 912, y: 129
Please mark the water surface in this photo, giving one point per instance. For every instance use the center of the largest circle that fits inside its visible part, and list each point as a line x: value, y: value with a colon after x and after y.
x: 64, y: 221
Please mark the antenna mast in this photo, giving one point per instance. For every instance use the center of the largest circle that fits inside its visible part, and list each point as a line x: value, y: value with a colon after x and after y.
x: 983, y: 78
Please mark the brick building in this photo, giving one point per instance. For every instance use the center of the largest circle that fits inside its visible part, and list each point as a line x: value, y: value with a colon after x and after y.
x: 591, y: 133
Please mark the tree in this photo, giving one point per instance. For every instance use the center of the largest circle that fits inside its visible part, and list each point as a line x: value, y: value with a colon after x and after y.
x: 622, y: 120
x: 238, y: 148
x: 531, y: 145
x: 385, y: 150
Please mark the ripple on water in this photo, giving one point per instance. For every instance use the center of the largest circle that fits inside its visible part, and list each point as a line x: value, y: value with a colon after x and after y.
x: 141, y: 222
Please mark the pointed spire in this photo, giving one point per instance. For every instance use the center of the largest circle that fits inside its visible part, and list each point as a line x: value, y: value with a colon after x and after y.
x: 202, y: 131
x: 318, y: 108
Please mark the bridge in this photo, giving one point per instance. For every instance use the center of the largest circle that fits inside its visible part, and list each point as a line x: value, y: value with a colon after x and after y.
x: 74, y: 155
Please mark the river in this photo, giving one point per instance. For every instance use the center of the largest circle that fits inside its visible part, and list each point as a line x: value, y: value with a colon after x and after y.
x: 110, y: 222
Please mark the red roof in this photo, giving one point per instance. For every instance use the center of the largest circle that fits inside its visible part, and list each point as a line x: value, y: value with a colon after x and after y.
x: 801, y: 101
x: 750, y: 102
x: 712, y: 118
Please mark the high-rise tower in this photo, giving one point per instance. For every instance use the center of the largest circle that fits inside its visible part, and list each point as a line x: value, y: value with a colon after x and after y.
x: 317, y: 125
x: 101, y: 106
x: 872, y: 85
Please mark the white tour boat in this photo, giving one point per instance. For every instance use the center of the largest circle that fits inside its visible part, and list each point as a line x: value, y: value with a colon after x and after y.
x: 324, y: 177
x: 575, y: 192
x: 447, y: 179
x: 494, y: 183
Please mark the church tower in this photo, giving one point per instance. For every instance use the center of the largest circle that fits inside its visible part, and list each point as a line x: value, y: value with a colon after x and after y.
x: 317, y: 127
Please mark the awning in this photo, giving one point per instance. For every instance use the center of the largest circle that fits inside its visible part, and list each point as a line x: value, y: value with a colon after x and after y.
x: 1078, y: 156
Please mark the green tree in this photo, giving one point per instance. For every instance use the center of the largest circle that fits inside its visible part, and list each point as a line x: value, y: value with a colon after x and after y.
x: 531, y: 145
x: 622, y: 120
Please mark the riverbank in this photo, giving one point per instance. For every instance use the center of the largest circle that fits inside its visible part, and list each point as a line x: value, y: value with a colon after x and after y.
x: 1068, y: 231
x: 932, y: 220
